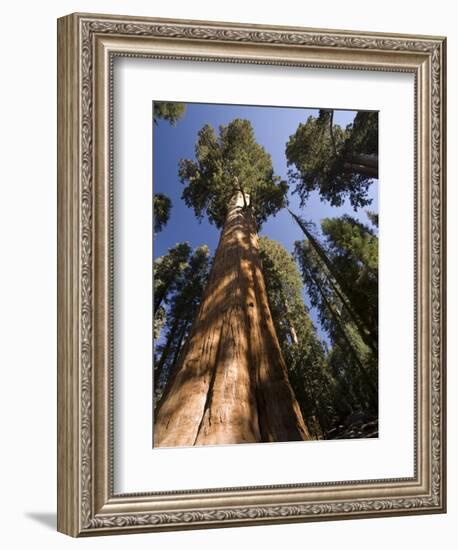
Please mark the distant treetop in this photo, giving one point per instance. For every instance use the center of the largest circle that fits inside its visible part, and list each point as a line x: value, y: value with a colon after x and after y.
x: 161, y: 206
x: 339, y: 163
x: 172, y: 112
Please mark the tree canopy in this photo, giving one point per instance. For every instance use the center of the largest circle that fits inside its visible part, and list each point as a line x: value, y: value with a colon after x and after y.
x: 206, y: 328
x: 228, y: 163
x: 339, y: 163
x: 348, y: 304
x: 167, y: 270
x: 304, y: 353
x: 353, y: 250
x: 171, y: 112
x: 284, y: 288
x: 161, y: 211
x: 183, y: 302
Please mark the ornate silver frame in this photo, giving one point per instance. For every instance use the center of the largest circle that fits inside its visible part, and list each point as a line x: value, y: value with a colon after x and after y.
x: 87, y: 44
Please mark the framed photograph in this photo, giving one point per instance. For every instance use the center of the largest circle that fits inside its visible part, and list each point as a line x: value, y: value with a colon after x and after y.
x: 251, y: 290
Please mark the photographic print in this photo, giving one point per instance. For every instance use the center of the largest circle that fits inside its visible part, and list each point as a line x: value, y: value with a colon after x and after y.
x: 219, y: 268
x: 265, y: 274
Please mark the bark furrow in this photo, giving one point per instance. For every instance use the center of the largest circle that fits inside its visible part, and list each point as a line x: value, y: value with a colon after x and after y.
x: 230, y: 384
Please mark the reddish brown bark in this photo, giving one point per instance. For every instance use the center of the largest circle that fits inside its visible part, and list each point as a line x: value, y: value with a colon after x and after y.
x: 230, y: 384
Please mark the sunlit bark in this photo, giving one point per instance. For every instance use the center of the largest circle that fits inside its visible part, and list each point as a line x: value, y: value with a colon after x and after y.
x: 230, y: 384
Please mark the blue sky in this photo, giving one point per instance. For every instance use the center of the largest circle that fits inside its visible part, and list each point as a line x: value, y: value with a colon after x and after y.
x: 272, y: 127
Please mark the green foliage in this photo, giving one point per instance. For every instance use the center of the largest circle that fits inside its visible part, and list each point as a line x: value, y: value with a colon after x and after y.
x: 313, y: 384
x: 158, y: 322
x: 161, y: 211
x: 167, y: 270
x: 353, y: 250
x: 351, y: 247
x: 373, y: 217
x: 183, y: 304
x: 340, y: 274
x: 340, y: 282
x: 338, y: 163
x: 171, y: 112
x: 304, y: 354
x: 362, y: 135
x: 284, y: 287
x: 228, y: 163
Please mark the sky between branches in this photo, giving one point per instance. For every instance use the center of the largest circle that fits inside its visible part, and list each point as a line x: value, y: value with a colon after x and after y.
x: 272, y: 127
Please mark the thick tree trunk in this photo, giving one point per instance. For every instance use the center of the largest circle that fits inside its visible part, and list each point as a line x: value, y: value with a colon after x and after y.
x: 230, y: 383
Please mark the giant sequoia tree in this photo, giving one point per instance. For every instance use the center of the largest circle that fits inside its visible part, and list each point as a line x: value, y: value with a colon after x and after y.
x: 230, y: 384
x: 339, y: 163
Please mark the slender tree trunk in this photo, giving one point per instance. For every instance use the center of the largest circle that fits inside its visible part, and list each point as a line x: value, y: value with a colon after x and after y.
x: 341, y: 329
x: 230, y: 384
x: 368, y: 336
x: 292, y: 329
x: 293, y: 334
x: 159, y: 297
x: 183, y: 330
x: 165, y: 353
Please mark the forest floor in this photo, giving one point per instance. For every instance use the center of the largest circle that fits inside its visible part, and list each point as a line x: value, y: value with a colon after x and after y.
x: 355, y: 426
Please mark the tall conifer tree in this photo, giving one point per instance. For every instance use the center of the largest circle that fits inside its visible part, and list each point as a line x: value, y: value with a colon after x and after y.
x: 230, y: 384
